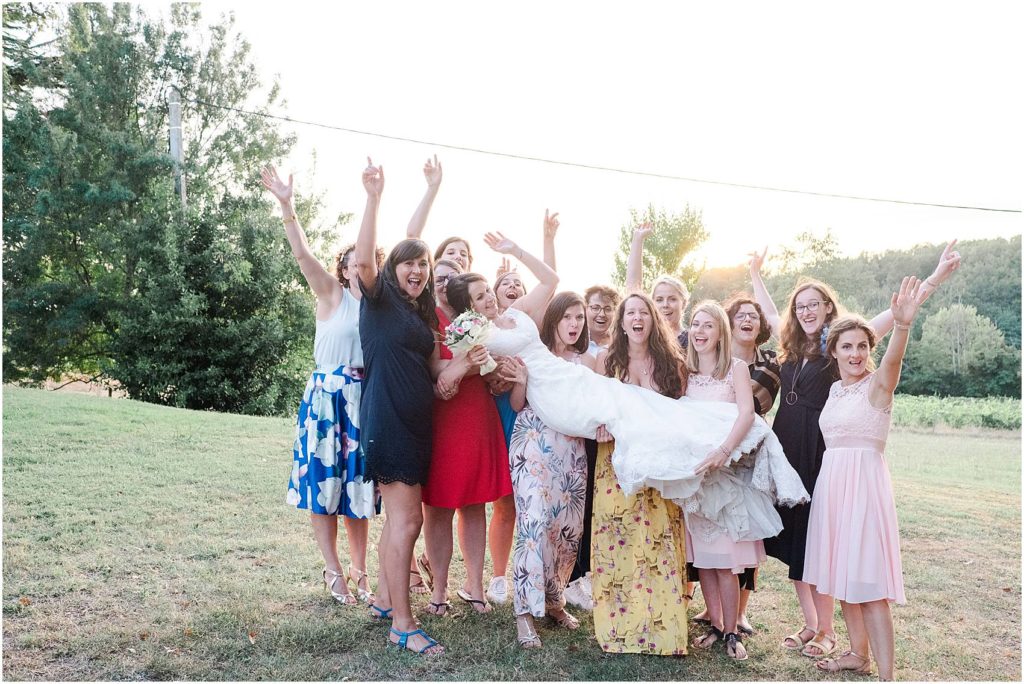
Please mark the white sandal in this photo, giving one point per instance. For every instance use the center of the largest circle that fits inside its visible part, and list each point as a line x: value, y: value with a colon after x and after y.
x: 346, y: 599
x: 365, y: 595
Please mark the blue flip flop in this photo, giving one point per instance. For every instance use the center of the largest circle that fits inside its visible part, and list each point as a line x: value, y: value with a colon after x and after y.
x: 381, y: 613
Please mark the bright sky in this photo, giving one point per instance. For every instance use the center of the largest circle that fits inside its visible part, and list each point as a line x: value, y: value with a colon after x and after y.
x: 910, y: 101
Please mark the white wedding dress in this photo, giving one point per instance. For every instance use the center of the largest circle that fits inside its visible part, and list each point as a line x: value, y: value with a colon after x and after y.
x: 658, y: 440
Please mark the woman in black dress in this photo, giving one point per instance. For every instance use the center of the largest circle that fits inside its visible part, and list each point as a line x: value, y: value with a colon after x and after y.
x: 806, y: 377
x: 396, y: 322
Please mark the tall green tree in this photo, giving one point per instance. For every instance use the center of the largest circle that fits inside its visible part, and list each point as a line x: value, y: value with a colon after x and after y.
x: 962, y: 353
x: 105, y: 272
x: 674, y: 238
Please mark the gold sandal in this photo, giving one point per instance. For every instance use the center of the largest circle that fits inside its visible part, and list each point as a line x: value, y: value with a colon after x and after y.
x: 818, y: 643
x: 796, y: 638
x: 832, y: 664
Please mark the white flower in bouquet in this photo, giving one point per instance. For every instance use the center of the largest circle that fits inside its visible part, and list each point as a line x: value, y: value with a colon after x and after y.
x: 467, y: 331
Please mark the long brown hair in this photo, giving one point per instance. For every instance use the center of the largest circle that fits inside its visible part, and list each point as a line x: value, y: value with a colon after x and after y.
x: 559, y: 304
x: 669, y: 367
x: 793, y: 342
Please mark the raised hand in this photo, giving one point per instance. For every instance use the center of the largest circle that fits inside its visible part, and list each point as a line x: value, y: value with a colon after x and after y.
x: 949, y: 261
x: 373, y: 179
x: 756, y: 262
x: 499, y: 243
x: 272, y: 182
x: 907, y: 302
x: 432, y: 172
x: 504, y: 267
x: 550, y: 225
x: 643, y: 230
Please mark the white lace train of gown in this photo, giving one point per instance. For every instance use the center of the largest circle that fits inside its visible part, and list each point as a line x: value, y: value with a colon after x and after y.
x: 658, y: 440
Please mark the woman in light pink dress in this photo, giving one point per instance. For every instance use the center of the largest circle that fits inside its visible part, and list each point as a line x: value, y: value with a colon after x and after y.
x: 716, y: 376
x: 853, y: 540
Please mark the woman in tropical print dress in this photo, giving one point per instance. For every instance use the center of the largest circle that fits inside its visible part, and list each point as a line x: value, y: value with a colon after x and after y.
x: 549, y: 480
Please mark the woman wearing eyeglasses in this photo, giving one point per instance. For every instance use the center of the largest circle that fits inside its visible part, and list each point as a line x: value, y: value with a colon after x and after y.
x: 806, y: 377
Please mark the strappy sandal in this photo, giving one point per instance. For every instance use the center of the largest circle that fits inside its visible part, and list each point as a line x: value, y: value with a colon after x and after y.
x: 438, y: 609
x: 832, y: 664
x: 566, y: 620
x: 816, y: 647
x: 419, y: 586
x: 478, y: 605
x: 357, y: 576
x: 525, y: 633
x: 403, y: 642
x: 746, y: 630
x: 380, y: 613
x: 427, y: 573
x: 734, y: 646
x: 797, y: 638
x: 709, y: 639
x: 346, y: 599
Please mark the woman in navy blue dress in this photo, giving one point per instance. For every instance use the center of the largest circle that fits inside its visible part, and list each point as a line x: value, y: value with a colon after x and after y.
x: 397, y: 322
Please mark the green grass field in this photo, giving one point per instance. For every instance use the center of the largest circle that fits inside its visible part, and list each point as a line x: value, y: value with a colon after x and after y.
x: 143, y: 542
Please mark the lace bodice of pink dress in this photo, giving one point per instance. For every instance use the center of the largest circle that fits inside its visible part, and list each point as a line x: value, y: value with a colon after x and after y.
x: 849, y: 419
x: 708, y: 388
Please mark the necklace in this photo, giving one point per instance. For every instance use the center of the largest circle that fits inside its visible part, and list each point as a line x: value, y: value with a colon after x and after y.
x: 646, y: 368
x: 791, y: 396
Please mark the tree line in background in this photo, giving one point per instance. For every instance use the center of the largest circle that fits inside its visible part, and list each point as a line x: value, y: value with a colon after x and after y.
x: 107, y: 275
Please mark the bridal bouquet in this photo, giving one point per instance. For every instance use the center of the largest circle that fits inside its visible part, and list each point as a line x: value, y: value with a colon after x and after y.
x: 465, y: 332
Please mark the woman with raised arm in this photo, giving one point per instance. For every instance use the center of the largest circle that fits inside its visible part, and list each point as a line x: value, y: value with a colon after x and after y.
x: 638, y: 542
x: 853, y: 541
x: 669, y: 294
x: 328, y: 475
x: 397, y: 321
x: 806, y: 377
x: 508, y: 287
x: 469, y: 468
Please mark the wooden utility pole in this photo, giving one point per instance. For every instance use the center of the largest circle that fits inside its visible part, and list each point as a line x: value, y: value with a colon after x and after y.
x: 174, y: 117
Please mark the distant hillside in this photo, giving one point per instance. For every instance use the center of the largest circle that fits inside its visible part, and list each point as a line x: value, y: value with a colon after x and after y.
x: 989, y: 281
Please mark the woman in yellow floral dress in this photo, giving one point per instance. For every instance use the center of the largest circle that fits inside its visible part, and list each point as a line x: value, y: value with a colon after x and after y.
x: 638, y: 549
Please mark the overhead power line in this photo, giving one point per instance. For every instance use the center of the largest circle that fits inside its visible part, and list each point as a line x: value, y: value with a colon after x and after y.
x: 596, y: 167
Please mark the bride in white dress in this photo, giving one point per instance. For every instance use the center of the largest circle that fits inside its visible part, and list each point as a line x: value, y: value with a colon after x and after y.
x: 659, y: 441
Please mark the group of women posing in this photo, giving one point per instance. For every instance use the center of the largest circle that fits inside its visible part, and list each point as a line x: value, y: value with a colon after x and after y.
x: 686, y: 468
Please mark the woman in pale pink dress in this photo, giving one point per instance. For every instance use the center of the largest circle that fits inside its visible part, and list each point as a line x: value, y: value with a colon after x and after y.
x: 716, y: 376
x: 853, y: 541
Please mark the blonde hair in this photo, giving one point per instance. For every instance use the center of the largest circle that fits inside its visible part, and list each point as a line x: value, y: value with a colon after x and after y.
x: 724, y: 349
x: 845, y: 324
x: 673, y: 283
x: 793, y: 341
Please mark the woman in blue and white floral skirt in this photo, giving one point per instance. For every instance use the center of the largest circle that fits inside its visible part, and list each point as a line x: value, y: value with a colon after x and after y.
x: 328, y: 470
